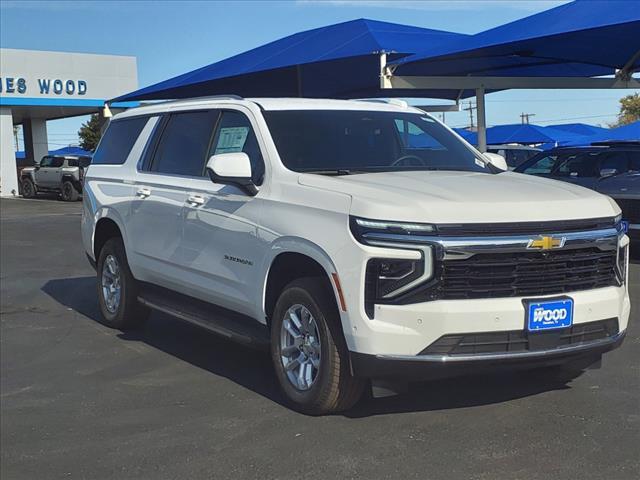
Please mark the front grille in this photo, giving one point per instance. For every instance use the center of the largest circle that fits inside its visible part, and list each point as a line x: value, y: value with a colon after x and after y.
x: 630, y: 209
x: 521, y: 340
x: 524, y: 274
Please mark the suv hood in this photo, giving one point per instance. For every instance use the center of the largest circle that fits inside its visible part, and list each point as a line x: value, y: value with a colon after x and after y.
x: 464, y: 197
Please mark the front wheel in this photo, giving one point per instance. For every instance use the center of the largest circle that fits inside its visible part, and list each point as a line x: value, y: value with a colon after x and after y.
x: 28, y: 188
x: 308, y: 350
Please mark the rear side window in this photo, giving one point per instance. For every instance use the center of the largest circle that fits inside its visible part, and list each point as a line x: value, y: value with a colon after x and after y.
x: 57, y: 162
x: 614, y: 161
x: 634, y: 161
x: 581, y: 166
x: 118, y: 140
x: 184, y: 144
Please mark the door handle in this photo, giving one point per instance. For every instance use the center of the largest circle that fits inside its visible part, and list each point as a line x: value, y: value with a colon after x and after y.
x: 143, y: 192
x: 195, y: 200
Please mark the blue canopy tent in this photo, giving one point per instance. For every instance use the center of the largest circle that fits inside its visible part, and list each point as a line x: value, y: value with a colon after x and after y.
x: 579, y: 128
x: 629, y: 132
x: 336, y: 61
x: 526, y: 134
x: 73, y: 151
x: 563, y: 47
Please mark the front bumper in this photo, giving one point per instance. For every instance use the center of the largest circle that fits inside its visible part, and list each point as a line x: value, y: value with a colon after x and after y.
x: 426, y: 367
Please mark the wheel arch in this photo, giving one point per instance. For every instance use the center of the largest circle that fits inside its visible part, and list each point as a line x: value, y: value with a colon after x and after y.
x: 106, y: 228
x: 291, y: 258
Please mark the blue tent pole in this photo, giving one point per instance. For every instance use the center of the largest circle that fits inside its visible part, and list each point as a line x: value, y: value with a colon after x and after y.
x: 482, y: 121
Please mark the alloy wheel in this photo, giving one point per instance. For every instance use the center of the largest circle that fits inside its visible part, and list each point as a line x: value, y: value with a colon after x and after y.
x: 300, y: 349
x: 111, y: 284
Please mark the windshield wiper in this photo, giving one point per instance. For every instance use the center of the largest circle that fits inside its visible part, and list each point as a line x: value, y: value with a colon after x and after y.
x: 336, y: 172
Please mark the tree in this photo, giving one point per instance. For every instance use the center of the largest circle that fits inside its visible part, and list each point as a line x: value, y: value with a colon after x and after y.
x: 629, y: 110
x: 90, y: 134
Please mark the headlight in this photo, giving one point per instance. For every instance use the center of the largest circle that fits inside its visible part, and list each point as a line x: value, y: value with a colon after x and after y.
x: 363, y: 227
x: 388, y: 279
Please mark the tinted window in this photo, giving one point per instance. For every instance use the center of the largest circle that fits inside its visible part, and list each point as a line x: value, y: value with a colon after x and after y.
x: 634, y: 161
x: 542, y: 166
x: 184, y: 144
x: 79, y: 162
x: 46, y: 162
x: 579, y: 166
x: 118, y: 140
x: 235, y: 134
x: 335, y: 141
x: 57, y: 162
x: 614, y: 160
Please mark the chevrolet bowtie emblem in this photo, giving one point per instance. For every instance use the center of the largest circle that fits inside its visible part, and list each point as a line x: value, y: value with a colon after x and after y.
x: 546, y: 243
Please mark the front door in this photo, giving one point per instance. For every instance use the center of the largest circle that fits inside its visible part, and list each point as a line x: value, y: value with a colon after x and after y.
x: 47, y: 174
x: 221, y: 250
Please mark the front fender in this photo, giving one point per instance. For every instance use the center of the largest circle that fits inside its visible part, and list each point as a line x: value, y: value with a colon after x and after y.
x: 291, y: 244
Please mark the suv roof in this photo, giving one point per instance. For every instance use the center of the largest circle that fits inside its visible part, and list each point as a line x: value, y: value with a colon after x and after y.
x: 272, y: 104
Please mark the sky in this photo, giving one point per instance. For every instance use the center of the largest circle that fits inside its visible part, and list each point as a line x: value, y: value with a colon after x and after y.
x: 169, y: 38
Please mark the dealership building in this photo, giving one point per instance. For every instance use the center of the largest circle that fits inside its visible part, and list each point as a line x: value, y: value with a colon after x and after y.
x: 36, y: 86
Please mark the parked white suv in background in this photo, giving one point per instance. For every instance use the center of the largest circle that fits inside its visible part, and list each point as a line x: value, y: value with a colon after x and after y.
x: 356, y: 240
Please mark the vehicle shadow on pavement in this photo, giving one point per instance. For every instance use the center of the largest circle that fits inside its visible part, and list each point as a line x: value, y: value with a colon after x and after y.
x: 252, y: 369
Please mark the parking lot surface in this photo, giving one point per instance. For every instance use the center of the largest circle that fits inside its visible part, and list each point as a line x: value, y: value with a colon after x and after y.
x: 79, y: 400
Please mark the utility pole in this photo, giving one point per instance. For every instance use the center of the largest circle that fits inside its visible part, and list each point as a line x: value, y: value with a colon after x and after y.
x: 524, y: 117
x: 470, y: 109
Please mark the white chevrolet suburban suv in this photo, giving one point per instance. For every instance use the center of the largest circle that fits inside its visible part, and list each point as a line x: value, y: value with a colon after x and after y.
x: 356, y: 240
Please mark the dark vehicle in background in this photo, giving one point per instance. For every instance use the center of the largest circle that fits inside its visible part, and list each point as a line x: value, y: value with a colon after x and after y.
x: 62, y: 174
x: 514, y: 154
x: 609, y: 168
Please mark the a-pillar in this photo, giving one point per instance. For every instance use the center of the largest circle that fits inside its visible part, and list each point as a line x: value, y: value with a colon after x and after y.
x: 482, y: 120
x: 36, y: 144
x: 8, y: 168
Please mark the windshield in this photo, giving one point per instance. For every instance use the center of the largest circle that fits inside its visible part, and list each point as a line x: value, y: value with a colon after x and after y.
x: 342, y: 142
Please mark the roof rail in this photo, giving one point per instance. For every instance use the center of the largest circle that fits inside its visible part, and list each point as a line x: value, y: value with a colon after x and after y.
x: 390, y: 101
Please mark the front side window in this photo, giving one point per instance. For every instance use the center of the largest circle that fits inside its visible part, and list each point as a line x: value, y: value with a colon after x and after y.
x: 46, y: 162
x: 184, y: 144
x: 544, y: 166
x: 343, y: 141
x: 235, y: 134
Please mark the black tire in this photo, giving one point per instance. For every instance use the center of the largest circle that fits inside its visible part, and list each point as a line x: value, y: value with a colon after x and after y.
x: 129, y: 313
x: 28, y: 188
x: 68, y: 192
x: 334, y: 388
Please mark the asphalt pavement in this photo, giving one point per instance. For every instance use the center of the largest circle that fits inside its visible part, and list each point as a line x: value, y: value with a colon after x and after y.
x: 81, y: 401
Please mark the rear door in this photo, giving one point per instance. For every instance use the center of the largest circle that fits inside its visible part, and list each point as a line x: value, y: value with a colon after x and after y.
x: 174, y: 163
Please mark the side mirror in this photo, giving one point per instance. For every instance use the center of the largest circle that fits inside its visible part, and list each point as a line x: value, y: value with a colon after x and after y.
x: 232, y: 169
x: 497, y: 161
x: 608, y: 172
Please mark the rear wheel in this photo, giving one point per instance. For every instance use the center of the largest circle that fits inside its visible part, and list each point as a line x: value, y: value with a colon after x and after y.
x: 308, y: 350
x: 28, y: 188
x: 117, y: 289
x: 68, y: 192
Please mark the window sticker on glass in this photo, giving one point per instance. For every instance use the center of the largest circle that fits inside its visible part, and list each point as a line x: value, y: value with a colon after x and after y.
x: 231, y: 139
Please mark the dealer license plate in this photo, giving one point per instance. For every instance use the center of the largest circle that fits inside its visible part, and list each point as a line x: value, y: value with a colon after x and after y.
x: 549, y: 314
